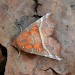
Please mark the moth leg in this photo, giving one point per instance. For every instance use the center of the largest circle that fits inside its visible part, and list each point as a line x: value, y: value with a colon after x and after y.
x: 19, y: 53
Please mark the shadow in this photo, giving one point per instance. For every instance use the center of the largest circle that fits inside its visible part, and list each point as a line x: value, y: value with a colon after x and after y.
x: 3, y: 62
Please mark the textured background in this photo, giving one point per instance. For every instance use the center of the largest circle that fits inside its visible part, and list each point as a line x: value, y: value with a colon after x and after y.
x: 18, y: 14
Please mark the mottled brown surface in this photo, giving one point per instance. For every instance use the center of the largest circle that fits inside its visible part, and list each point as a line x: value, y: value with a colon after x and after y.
x: 17, y: 14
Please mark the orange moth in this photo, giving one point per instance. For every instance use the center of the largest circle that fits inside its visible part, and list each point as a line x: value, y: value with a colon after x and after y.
x: 37, y: 38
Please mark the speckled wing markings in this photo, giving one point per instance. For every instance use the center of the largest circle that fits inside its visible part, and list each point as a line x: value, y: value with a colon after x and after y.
x: 37, y: 38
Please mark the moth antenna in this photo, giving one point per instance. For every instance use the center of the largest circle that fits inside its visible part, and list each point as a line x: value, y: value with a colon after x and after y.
x: 21, y: 29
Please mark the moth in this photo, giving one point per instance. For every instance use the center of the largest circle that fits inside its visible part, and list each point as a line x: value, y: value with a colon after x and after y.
x: 37, y: 38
